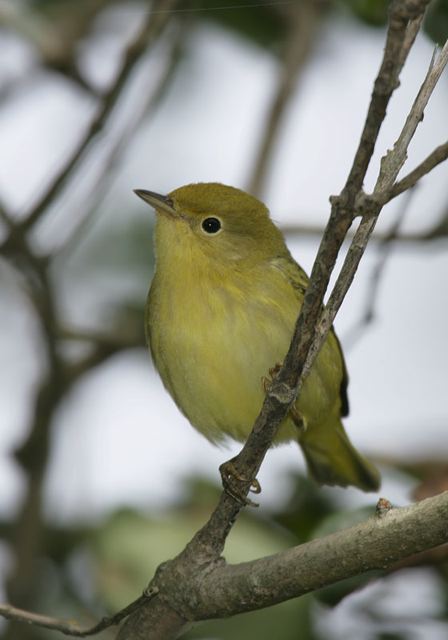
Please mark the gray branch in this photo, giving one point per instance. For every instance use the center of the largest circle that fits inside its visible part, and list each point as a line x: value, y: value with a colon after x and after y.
x: 377, y: 543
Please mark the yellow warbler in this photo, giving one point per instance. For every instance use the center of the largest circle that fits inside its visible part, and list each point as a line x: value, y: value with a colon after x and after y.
x: 221, y: 312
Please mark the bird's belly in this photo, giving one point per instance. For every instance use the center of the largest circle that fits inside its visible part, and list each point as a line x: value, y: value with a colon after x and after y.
x: 215, y: 373
x: 213, y: 349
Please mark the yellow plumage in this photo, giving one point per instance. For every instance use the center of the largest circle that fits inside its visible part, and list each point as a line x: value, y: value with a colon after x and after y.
x: 221, y: 312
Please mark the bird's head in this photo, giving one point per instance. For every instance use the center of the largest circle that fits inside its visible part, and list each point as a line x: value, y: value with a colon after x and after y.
x: 223, y: 223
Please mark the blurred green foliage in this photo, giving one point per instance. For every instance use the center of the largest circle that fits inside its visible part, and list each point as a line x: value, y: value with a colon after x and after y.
x: 436, y: 23
x: 267, y: 25
x: 371, y: 12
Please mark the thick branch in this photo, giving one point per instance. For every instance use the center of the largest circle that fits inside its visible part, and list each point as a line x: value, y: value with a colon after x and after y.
x: 225, y: 590
x: 377, y: 543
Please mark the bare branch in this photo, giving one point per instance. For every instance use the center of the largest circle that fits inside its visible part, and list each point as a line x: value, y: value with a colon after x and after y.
x: 400, y: 37
x: 396, y: 157
x: 440, y: 154
x: 291, y: 374
x: 377, y: 543
x: 72, y: 629
x: 222, y: 590
x: 385, y: 245
x: 370, y: 206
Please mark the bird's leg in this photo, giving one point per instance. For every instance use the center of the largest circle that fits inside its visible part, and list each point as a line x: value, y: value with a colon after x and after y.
x: 232, y: 481
x: 266, y: 381
x: 297, y: 419
x: 293, y: 413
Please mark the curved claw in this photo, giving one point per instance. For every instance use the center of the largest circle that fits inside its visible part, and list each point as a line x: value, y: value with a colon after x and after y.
x: 232, y: 481
x: 255, y: 486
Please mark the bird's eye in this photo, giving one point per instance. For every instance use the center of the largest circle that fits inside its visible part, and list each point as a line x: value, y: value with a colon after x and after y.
x: 211, y: 225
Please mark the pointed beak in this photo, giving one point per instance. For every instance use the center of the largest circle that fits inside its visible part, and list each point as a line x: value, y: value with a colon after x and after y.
x: 164, y: 204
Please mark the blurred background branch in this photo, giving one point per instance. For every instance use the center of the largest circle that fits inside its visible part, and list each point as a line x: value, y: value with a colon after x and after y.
x: 304, y: 21
x: 150, y: 29
x: 26, y: 537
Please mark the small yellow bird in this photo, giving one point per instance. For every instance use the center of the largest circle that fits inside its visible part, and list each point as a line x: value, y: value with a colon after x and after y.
x: 220, y: 314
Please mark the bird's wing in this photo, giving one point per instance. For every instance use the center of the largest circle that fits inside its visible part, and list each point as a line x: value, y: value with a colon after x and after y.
x: 299, y: 281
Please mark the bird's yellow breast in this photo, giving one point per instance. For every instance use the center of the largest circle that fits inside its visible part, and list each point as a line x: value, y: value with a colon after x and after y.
x: 215, y: 333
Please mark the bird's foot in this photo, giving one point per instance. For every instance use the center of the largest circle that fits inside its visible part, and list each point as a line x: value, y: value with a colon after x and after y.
x: 266, y: 381
x: 294, y: 413
x: 296, y: 417
x: 235, y: 485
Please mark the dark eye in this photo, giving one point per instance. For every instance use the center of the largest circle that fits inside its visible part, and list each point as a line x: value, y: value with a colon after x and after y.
x: 211, y: 225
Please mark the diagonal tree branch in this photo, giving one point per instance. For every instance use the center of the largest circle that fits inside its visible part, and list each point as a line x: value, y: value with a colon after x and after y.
x: 371, y: 205
x: 287, y: 383
x: 440, y: 154
x: 385, y: 245
x: 377, y: 543
x: 381, y: 542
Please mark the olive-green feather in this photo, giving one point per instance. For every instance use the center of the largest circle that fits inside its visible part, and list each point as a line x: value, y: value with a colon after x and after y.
x: 330, y: 456
x: 221, y: 313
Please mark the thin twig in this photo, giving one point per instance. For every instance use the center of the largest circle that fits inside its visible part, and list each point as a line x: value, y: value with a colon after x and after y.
x: 399, y: 41
x: 440, y: 154
x: 394, y: 159
x: 72, y: 629
x: 411, y: 33
x: 385, y: 246
x: 371, y: 205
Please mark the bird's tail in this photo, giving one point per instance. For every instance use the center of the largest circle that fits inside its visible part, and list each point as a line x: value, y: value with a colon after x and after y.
x: 332, y: 459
